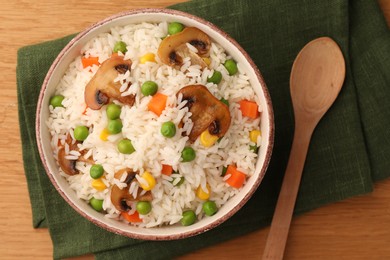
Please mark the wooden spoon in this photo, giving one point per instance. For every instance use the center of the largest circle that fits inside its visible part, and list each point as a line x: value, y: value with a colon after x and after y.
x: 316, y: 78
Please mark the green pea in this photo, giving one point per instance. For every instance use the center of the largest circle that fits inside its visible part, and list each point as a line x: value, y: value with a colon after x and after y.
x: 80, y: 133
x: 113, y: 111
x: 96, y: 204
x: 224, y: 101
x: 224, y: 170
x: 149, y: 88
x: 120, y: 46
x: 209, y: 208
x: 96, y: 171
x: 56, y: 101
x: 114, y: 126
x: 188, y: 154
x: 125, y: 146
x: 175, y: 27
x: 254, y: 148
x: 215, y: 78
x: 179, y: 182
x: 188, y: 218
x: 168, y: 129
x: 143, y: 207
x: 231, y: 67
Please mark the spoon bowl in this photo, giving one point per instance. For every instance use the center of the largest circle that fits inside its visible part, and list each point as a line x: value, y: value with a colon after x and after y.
x: 316, y: 79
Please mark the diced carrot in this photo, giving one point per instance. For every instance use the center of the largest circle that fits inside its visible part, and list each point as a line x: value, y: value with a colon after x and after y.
x: 167, y: 169
x: 88, y: 62
x: 157, y: 103
x: 249, y: 109
x: 236, y: 178
x: 133, y: 218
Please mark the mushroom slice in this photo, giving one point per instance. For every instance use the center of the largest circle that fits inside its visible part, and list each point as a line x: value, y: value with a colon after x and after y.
x: 120, y: 197
x: 68, y: 166
x: 207, y: 111
x: 173, y: 49
x: 102, y: 86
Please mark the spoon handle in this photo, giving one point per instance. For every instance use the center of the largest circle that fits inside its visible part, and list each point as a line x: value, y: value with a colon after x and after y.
x: 277, y: 237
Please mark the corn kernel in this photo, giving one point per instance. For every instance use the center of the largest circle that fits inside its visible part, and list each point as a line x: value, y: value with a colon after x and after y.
x: 253, y: 135
x: 99, y: 184
x: 207, y: 61
x: 148, y: 57
x: 151, y: 181
x: 207, y: 139
x: 104, y: 134
x: 201, y: 194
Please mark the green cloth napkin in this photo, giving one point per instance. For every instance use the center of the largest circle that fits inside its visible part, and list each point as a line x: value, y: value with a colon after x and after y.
x: 350, y: 147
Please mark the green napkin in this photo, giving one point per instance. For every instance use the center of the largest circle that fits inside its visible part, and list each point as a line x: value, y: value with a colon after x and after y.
x: 350, y: 147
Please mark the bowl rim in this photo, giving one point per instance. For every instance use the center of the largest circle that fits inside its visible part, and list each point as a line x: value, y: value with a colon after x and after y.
x: 203, y: 228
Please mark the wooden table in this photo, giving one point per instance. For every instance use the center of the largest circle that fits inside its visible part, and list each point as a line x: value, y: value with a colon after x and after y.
x: 357, y: 228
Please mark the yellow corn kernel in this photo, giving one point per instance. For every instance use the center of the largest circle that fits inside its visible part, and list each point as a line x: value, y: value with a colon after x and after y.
x: 148, y: 177
x: 207, y: 139
x: 148, y: 57
x: 207, y: 61
x: 98, y: 184
x: 104, y: 134
x: 201, y: 194
x: 253, y: 135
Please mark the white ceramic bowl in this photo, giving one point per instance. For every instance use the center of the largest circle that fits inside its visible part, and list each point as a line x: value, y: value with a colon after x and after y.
x: 72, y: 50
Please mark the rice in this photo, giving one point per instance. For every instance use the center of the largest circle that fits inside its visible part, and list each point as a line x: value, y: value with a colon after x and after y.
x: 170, y: 197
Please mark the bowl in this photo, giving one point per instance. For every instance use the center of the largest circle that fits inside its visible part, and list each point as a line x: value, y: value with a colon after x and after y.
x: 73, y: 49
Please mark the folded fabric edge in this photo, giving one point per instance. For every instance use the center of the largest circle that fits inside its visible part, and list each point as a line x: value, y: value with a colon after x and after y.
x: 36, y: 200
x: 64, y: 40
x: 160, y: 249
x: 27, y: 132
x: 372, y: 74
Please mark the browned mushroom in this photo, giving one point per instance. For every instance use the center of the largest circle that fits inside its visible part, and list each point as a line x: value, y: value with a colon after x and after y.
x: 173, y: 49
x: 69, y: 166
x: 207, y: 111
x: 120, y: 197
x: 102, y: 86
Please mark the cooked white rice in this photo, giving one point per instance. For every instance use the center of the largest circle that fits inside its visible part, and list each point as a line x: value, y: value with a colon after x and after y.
x: 143, y: 127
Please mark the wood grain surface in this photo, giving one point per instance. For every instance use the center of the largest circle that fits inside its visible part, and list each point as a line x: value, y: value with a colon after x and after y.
x: 356, y: 228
